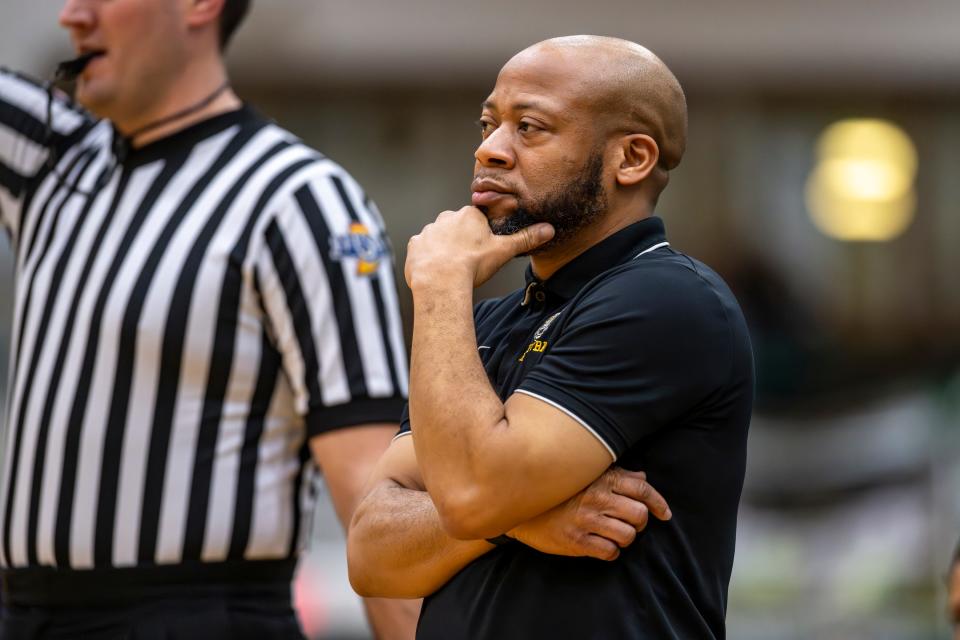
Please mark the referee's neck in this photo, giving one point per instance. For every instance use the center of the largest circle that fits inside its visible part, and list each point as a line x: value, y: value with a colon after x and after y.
x: 228, y: 101
x: 196, y: 83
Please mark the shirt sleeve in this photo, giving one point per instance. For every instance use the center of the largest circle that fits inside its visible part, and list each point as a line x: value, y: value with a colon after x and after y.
x: 404, y: 422
x: 637, y: 354
x: 325, y: 275
x: 26, y: 140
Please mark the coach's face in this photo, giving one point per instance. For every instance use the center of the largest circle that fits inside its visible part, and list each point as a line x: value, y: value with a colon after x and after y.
x: 542, y: 156
x: 141, y: 46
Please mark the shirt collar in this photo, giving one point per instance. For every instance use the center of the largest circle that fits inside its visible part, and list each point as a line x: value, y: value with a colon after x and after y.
x: 184, y: 138
x: 624, y: 245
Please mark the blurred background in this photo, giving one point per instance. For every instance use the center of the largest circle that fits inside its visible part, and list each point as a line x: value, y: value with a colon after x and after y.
x: 822, y: 180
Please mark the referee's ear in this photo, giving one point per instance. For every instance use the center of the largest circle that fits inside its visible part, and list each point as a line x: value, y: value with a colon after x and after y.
x: 639, y: 155
x: 204, y: 13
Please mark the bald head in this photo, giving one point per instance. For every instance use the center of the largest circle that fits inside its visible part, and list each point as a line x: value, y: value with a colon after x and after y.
x: 629, y: 88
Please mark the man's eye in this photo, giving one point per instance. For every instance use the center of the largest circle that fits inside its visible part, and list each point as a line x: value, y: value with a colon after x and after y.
x: 527, y: 127
x: 485, y: 126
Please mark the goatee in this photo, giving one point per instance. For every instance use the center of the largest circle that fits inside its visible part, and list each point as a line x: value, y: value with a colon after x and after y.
x: 569, y: 208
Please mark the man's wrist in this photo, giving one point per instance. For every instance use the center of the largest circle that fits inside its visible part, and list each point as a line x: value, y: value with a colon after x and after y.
x: 442, y: 281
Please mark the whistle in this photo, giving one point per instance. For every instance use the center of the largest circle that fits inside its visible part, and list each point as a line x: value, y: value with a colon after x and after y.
x: 69, y: 70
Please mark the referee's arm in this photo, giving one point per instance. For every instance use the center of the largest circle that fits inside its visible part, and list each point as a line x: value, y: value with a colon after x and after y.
x: 347, y: 458
x: 26, y: 140
x: 339, y: 337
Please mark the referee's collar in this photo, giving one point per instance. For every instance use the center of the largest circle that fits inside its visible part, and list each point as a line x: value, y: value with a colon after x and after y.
x: 615, y: 249
x: 181, y: 139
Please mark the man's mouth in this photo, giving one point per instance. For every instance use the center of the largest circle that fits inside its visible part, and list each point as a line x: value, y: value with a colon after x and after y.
x: 488, y: 198
x: 70, y: 69
x: 489, y: 192
x: 89, y: 55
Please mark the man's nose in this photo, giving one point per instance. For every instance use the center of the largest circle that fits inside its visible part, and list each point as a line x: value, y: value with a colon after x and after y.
x: 77, y: 15
x: 496, y: 150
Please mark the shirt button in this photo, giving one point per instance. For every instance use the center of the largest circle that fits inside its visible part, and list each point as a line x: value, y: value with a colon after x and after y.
x: 540, y: 296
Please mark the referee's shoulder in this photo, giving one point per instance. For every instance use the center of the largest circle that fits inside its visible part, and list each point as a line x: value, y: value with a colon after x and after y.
x: 314, y: 184
x: 23, y: 96
x: 318, y: 169
x: 10, y: 78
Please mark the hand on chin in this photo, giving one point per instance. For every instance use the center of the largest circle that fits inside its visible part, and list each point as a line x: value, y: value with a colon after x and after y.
x: 459, y: 248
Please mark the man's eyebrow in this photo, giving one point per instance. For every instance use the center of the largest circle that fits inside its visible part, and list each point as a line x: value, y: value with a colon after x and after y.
x: 519, y: 106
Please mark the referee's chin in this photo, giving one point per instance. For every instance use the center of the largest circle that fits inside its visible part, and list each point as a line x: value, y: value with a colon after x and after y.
x: 97, y: 100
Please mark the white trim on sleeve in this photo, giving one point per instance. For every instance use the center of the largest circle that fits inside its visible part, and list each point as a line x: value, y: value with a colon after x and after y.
x: 583, y: 424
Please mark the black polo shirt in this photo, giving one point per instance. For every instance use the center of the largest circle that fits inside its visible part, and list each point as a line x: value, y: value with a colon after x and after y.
x: 648, y: 350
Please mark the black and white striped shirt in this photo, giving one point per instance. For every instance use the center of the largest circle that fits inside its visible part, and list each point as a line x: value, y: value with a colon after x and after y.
x: 183, y: 320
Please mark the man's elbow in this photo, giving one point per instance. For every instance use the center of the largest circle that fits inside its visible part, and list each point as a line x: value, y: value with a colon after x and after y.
x: 470, y: 514
x: 371, y: 576
x: 361, y: 558
x: 367, y: 585
x: 371, y: 581
x: 360, y: 575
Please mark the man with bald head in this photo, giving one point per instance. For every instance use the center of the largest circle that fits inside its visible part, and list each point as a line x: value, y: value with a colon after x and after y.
x: 519, y: 502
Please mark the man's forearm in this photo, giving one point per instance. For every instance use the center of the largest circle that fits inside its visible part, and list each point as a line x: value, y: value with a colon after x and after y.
x: 454, y: 410
x: 392, y: 619
x: 489, y: 464
x: 397, y: 548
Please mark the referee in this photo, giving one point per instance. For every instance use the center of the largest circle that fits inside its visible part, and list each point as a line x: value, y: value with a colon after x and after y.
x: 617, y: 350
x: 202, y: 302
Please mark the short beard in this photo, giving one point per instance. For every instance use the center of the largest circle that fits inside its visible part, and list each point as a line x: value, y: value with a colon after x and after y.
x: 568, y: 209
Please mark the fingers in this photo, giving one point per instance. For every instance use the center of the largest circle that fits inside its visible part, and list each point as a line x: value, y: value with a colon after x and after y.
x: 634, y: 485
x: 598, y: 547
x: 634, y: 514
x: 618, y: 531
x: 523, y: 241
x: 527, y: 239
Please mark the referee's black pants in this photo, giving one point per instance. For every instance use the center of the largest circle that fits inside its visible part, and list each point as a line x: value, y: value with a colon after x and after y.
x: 202, y: 617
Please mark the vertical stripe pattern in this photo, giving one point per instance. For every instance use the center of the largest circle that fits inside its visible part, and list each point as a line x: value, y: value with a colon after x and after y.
x: 183, y: 323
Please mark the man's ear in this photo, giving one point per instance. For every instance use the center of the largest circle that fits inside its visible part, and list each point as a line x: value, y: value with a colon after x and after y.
x: 639, y: 155
x: 201, y: 13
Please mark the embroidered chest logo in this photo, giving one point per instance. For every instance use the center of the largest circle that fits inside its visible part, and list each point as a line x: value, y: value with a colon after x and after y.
x: 367, y: 249
x: 538, y: 345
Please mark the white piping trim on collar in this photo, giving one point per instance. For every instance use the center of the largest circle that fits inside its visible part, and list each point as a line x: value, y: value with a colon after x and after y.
x: 653, y: 248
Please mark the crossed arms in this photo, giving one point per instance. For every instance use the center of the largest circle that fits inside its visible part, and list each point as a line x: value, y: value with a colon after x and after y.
x: 477, y: 467
x: 398, y: 547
